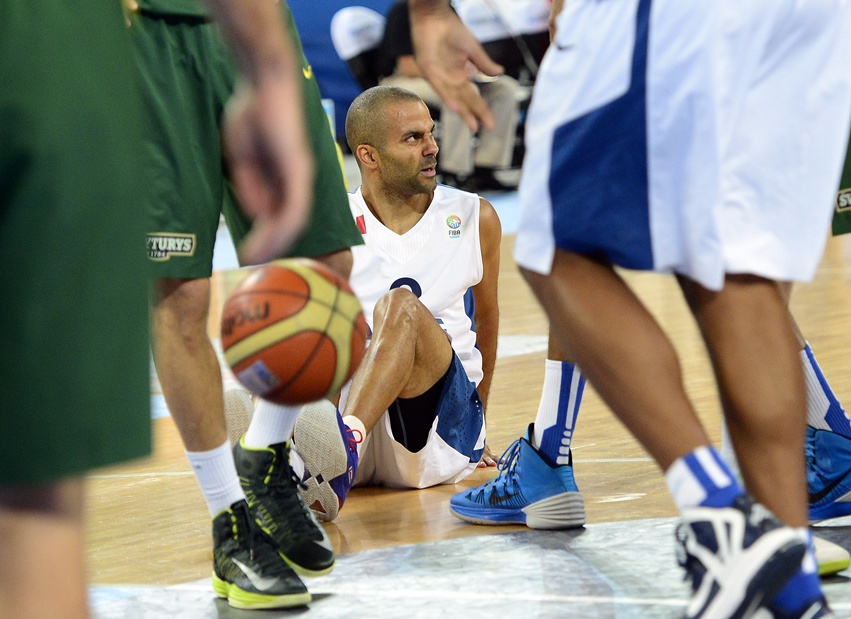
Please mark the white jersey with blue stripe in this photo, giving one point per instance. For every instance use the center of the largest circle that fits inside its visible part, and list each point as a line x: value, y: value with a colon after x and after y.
x: 702, y: 138
x: 439, y: 260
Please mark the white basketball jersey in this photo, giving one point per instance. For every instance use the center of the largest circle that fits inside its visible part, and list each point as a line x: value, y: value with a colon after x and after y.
x: 439, y: 260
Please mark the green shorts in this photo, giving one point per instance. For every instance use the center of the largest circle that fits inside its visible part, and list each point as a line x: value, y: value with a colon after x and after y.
x: 187, y: 78
x: 842, y: 208
x: 74, y: 354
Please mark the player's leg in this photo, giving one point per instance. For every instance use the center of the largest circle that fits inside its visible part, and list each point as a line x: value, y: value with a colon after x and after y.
x: 76, y: 388
x: 761, y: 386
x: 537, y: 469
x: 827, y: 451
x: 42, y: 542
x: 408, y: 354
x: 634, y: 368
x: 183, y: 153
x: 810, y: 54
x: 754, y: 352
x: 263, y: 456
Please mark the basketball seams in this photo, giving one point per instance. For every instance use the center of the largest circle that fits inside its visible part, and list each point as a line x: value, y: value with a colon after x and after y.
x: 309, y: 318
x: 304, y: 349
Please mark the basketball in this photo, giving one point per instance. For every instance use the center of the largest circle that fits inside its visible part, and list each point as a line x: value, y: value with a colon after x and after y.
x: 293, y: 331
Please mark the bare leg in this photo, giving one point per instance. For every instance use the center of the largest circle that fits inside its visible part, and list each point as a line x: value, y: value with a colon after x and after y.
x: 408, y: 354
x: 621, y: 349
x: 754, y: 352
x: 186, y: 361
x: 42, y: 548
x: 554, y: 349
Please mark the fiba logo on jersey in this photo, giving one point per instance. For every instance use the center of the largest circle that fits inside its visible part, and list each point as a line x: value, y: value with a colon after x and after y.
x: 454, y: 224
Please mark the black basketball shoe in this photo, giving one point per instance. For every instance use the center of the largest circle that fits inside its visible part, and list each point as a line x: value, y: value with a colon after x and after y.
x: 247, y: 570
x: 272, y: 491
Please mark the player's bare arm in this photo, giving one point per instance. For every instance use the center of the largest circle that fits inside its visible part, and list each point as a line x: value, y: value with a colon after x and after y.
x: 445, y: 50
x: 487, y: 306
x: 555, y: 9
x: 264, y: 133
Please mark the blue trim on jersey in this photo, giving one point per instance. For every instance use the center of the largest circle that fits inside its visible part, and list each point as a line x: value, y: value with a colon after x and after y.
x: 460, y: 414
x: 470, y: 307
x: 599, y: 179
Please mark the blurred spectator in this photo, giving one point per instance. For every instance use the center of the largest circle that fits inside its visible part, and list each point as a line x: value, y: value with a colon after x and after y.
x: 467, y: 161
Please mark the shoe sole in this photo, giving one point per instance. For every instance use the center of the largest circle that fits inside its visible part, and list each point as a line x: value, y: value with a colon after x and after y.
x: 561, y: 511
x: 777, y: 555
x: 319, y: 444
x: 831, y: 558
x: 246, y: 600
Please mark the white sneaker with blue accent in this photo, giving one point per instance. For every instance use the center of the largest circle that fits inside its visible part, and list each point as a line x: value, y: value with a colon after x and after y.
x: 738, y: 558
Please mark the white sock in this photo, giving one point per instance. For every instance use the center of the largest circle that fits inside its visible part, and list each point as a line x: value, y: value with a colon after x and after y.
x: 810, y: 563
x: 701, y: 477
x: 561, y: 396
x: 271, y: 424
x: 216, y: 475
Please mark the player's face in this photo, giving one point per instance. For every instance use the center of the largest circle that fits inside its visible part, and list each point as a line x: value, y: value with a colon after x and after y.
x: 409, y: 159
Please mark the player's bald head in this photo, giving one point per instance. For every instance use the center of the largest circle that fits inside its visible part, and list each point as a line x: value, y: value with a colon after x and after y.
x: 366, y: 121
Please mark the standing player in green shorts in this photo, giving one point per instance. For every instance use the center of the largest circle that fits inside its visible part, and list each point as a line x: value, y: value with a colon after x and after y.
x: 75, y: 390
x: 75, y: 393
x: 187, y: 77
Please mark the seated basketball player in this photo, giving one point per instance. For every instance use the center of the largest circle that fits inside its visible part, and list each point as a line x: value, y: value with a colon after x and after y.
x: 427, y: 278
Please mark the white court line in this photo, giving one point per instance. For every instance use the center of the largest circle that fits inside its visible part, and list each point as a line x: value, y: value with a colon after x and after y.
x: 181, y: 473
x: 432, y: 594
x: 507, y: 597
x: 204, y: 585
x: 140, y: 475
x: 316, y: 588
x: 607, y: 460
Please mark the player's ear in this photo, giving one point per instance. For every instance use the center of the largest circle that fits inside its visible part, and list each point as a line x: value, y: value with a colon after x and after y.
x: 366, y: 154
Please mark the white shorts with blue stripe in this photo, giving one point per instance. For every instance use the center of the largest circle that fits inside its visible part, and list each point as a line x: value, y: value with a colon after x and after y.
x: 688, y: 136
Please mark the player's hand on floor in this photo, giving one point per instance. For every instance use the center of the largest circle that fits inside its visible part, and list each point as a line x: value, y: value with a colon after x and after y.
x: 488, y: 458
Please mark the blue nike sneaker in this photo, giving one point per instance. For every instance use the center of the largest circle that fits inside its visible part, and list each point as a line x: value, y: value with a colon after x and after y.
x: 528, y: 490
x: 828, y: 474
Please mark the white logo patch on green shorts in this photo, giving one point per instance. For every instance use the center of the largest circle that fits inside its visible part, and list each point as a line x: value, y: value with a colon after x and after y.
x: 164, y: 245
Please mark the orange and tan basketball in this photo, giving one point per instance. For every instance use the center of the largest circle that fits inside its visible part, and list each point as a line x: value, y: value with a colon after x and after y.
x: 293, y: 331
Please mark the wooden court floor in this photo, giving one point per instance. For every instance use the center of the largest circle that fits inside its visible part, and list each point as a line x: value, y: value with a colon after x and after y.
x: 147, y: 523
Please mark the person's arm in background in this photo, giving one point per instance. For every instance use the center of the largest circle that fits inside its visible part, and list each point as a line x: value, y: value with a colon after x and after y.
x: 263, y: 129
x: 444, y: 49
x: 555, y: 9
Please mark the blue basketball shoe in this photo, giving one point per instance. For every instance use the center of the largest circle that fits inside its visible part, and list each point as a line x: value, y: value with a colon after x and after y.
x: 528, y: 490
x: 328, y: 449
x: 738, y: 559
x: 828, y: 474
x: 817, y: 609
